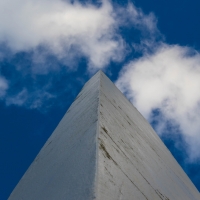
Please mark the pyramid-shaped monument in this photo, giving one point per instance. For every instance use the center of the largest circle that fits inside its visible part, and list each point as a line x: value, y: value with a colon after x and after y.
x: 104, y: 149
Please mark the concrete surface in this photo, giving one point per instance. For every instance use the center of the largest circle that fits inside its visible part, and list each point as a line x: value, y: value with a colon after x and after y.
x: 104, y: 149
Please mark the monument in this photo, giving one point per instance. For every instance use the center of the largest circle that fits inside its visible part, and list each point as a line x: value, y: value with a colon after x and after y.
x: 103, y: 149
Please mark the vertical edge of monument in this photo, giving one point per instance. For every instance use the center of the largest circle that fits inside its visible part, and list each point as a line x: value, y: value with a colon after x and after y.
x: 65, y: 168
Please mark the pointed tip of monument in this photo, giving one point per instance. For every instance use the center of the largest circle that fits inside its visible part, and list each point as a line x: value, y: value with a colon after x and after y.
x: 98, y: 74
x: 100, y: 71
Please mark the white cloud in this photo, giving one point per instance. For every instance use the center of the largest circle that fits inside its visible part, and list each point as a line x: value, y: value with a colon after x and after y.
x: 169, y: 80
x: 3, y: 86
x: 61, y: 26
x: 68, y: 31
x: 71, y: 29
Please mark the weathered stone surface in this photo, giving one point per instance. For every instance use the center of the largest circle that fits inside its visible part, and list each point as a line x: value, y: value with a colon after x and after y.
x: 104, y: 149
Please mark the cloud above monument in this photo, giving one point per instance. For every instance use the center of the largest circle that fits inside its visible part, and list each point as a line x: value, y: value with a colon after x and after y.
x: 167, y: 80
x: 66, y: 31
x: 69, y: 30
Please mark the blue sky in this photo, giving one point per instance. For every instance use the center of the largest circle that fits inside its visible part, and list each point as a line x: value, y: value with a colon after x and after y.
x: 49, y: 49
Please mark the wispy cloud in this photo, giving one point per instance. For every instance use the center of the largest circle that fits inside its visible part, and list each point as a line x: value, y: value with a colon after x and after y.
x: 32, y: 100
x: 147, y: 23
x: 168, y: 80
x: 3, y: 86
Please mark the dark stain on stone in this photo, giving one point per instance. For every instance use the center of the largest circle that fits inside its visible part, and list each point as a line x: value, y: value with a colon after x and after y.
x: 128, y: 119
x: 106, y: 152
x: 161, y: 195
x: 115, y: 143
x: 116, y: 149
x: 129, y: 122
x: 68, y: 111
x: 132, y: 182
x: 122, y: 141
x: 49, y: 143
x: 109, y: 172
x: 112, y: 181
x: 123, y: 126
x: 105, y: 129
x: 109, y: 157
x: 78, y: 96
